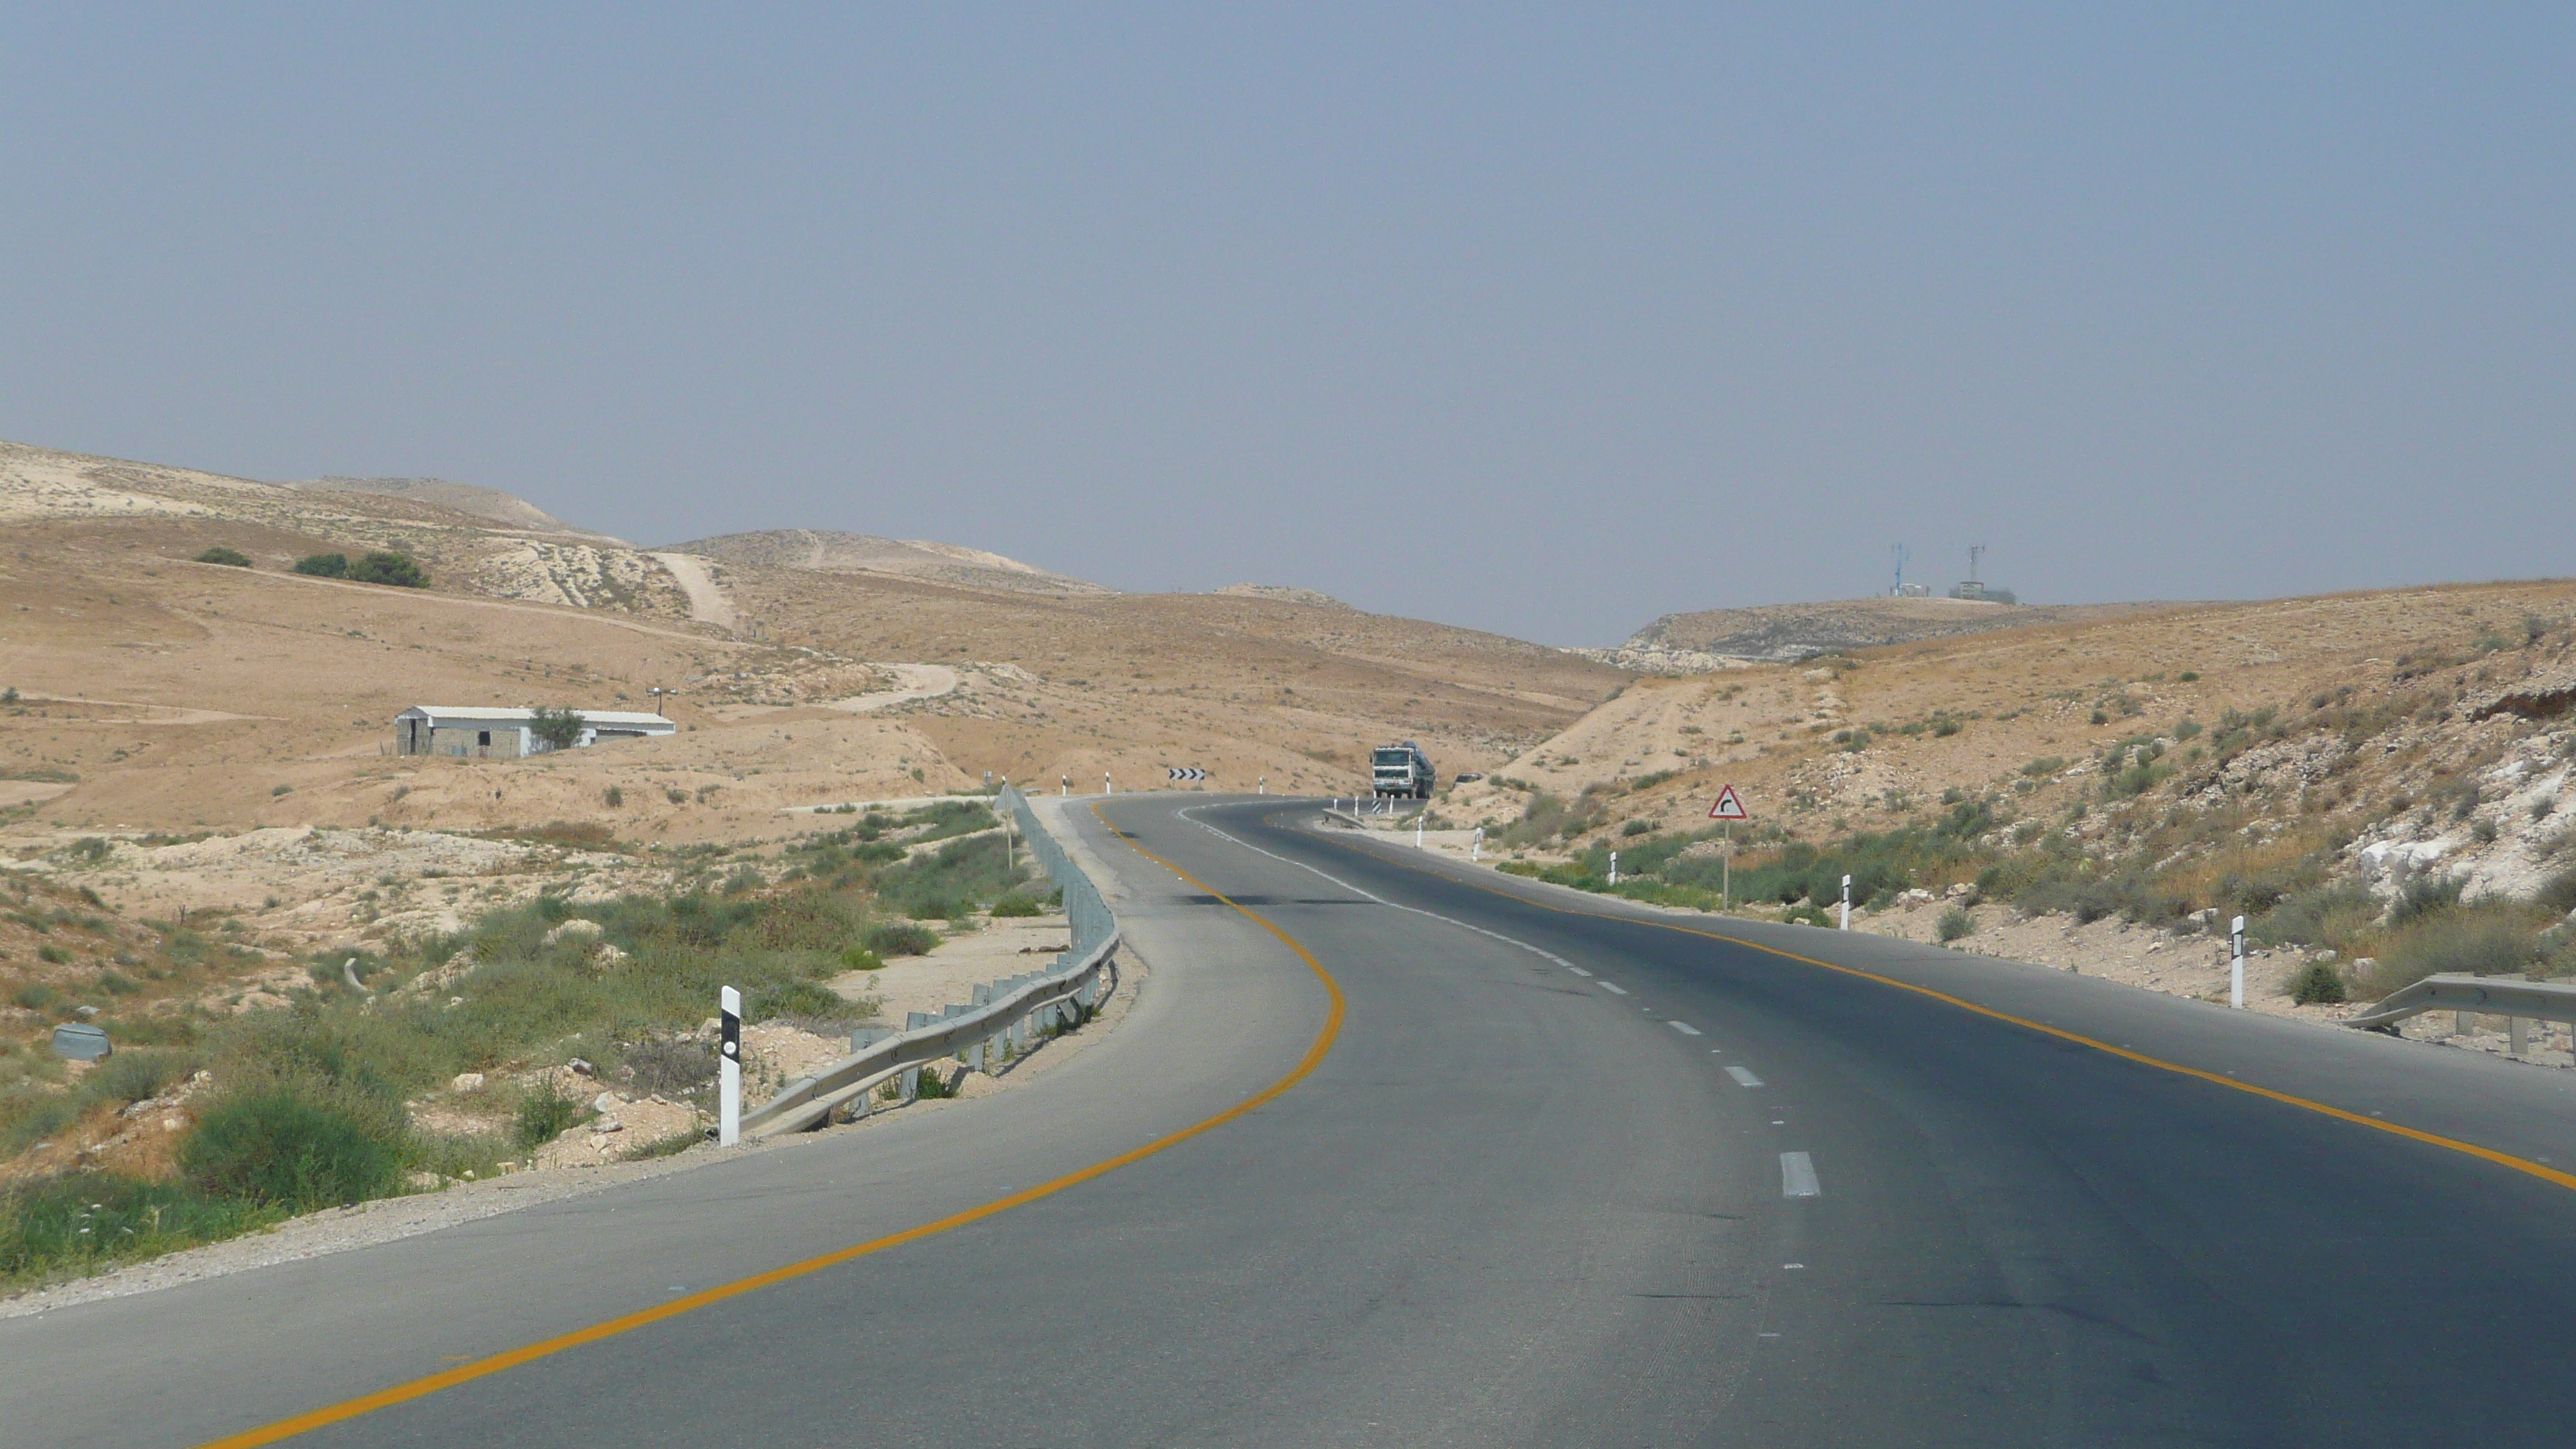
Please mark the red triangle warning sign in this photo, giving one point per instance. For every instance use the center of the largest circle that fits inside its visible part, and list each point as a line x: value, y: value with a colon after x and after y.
x: 1727, y: 807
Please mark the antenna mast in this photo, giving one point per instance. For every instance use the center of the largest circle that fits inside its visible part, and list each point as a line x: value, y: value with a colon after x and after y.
x: 1898, y: 551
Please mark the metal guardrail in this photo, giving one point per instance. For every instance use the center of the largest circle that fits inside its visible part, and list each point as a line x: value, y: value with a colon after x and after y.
x: 2517, y: 1001
x: 1083, y: 908
x: 1030, y: 1010
x: 1017, y: 1014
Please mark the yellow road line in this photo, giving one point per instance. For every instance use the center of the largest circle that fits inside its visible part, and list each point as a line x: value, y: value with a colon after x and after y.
x: 2525, y: 1165
x: 501, y: 1362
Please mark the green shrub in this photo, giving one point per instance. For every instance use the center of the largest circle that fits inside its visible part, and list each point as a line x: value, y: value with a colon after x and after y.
x: 281, y: 1148
x: 900, y: 938
x: 396, y: 569
x: 804, y: 1000
x: 1636, y: 828
x: 1014, y: 903
x: 229, y: 557
x: 2318, y: 984
x: 670, y: 1067
x: 2337, y: 916
x: 556, y: 729
x: 1954, y: 924
x: 136, y: 1076
x: 2482, y: 941
x: 324, y: 565
x: 80, y: 1224
x: 30, y: 1114
x: 2426, y: 896
x: 2559, y: 892
x: 614, y: 796
x: 545, y: 1110
x: 35, y: 996
x: 52, y: 954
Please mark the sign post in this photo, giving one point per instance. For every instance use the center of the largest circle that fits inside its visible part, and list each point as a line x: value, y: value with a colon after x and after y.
x: 1728, y: 809
x: 729, y: 1070
x: 2236, y: 965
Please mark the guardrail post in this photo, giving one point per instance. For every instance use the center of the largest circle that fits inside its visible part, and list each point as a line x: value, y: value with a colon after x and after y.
x: 2463, y: 1022
x: 2517, y: 1034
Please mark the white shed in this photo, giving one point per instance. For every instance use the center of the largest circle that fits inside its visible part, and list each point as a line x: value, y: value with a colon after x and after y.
x: 482, y: 732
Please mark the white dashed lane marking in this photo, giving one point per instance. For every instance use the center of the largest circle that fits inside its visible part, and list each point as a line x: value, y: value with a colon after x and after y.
x: 1798, y: 1176
x: 1577, y: 970
x: 1614, y: 990
x: 1684, y: 1027
x: 1743, y: 1078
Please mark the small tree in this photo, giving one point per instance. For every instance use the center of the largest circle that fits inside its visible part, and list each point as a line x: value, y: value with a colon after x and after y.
x: 557, y: 729
x: 229, y: 557
x: 324, y: 565
x: 396, y: 569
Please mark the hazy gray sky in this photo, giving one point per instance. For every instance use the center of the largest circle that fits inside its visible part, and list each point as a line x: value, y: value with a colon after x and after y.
x: 1545, y: 320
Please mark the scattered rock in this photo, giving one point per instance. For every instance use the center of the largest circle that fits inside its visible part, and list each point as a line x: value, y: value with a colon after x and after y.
x: 604, y: 1102
x: 466, y: 1082
x: 580, y: 1068
x: 576, y: 929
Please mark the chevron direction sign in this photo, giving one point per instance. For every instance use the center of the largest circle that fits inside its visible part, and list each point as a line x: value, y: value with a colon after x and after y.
x: 1178, y: 772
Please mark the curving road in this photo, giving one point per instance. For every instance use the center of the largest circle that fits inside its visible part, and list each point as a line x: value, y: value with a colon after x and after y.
x: 1567, y: 1172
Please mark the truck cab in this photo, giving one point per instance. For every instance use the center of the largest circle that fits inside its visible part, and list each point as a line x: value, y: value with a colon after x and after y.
x: 1402, y: 771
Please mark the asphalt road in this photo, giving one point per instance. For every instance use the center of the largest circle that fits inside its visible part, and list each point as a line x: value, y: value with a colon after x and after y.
x: 1566, y: 1175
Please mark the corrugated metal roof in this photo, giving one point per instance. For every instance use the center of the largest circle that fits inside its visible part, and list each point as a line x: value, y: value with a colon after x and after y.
x: 434, y: 713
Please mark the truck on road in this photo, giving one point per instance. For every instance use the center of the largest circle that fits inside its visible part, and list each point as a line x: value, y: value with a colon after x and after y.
x: 1402, y: 771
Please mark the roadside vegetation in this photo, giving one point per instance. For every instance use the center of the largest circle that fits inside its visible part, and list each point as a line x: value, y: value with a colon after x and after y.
x: 2187, y: 875
x: 311, y: 1105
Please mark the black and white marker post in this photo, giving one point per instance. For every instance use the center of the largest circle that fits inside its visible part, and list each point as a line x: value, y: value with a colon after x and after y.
x: 2236, y: 965
x: 1846, y: 903
x: 729, y: 1071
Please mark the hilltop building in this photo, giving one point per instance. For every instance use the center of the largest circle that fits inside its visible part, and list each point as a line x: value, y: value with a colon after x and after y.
x: 482, y: 732
x: 1989, y: 593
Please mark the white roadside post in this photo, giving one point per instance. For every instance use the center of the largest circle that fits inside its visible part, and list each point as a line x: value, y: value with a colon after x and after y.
x: 1476, y: 847
x: 1265, y: 786
x: 1064, y: 784
x: 729, y: 1070
x: 1106, y: 788
x: 1614, y: 867
x: 1417, y: 825
x: 2236, y: 965
x: 1846, y: 903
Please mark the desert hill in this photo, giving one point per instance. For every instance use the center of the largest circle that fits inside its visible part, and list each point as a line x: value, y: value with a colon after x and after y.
x: 469, y: 498
x: 1781, y: 632
x: 465, y: 551
x: 826, y: 551
x: 1283, y: 594
x: 159, y: 693
x: 2147, y: 761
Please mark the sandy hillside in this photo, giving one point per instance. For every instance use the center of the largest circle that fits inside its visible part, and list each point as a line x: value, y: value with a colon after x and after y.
x: 947, y: 563
x: 2401, y: 733
x: 1778, y: 633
